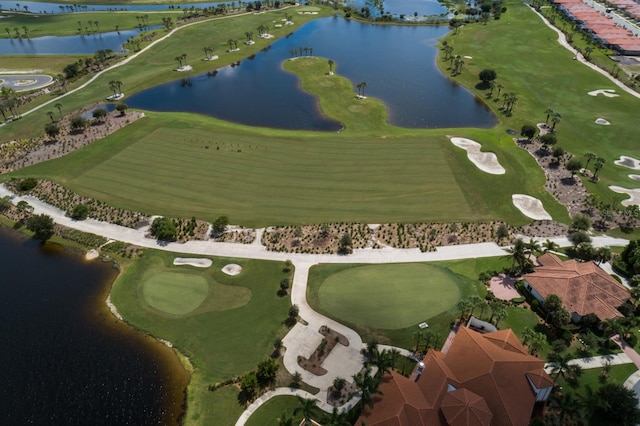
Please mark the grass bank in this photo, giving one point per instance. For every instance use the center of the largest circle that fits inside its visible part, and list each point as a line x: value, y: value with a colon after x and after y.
x: 220, y: 341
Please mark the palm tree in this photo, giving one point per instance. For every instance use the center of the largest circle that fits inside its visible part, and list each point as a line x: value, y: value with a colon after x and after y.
x: 26, y: 31
x: 97, y: 26
x: 184, y: 58
x: 306, y: 407
x: 518, y: 254
x: 178, y: 59
x: 464, y: 305
x: 533, y: 247
x: 330, y: 66
x: 50, y: 114
x: 286, y: 419
x: 230, y: 42
x: 500, y: 87
x: 475, y: 301
x: 419, y: 335
x: 8, y: 31
x: 590, y: 156
x: 367, y: 386
x: 555, y: 119
x: 249, y: 36
x: 58, y: 106
x: 549, y: 111
x: 566, y: 408
x: 597, y: 166
x: 587, y: 52
x: 338, y: 419
x: 382, y: 360
x: 361, y: 86
x: 549, y: 246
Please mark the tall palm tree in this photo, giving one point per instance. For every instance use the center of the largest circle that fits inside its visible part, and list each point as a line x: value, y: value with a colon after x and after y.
x: 499, y: 87
x: 286, y: 419
x: 230, y: 42
x: 184, y: 58
x: 566, y: 408
x: 549, y: 246
x: 338, y: 419
x: 249, y: 36
x: 26, y: 31
x: 518, y: 254
x: 555, y: 119
x: 382, y: 360
x: 367, y: 386
x: 464, y: 305
x: 475, y: 301
x: 306, y: 408
x: 362, y: 86
x: 419, y: 335
x: 549, y: 111
x: 330, y: 65
x: 50, y: 114
x: 598, y: 166
x: 590, y: 156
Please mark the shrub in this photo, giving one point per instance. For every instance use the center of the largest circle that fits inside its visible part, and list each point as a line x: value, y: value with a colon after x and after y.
x: 164, y: 229
x: 27, y: 184
x: 518, y: 300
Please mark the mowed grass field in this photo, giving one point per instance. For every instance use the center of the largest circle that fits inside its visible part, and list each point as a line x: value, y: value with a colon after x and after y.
x: 530, y: 62
x: 186, y: 165
x: 226, y: 335
x: 430, y: 291
x: 388, y: 296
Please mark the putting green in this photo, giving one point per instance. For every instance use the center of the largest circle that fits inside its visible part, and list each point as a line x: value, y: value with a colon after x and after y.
x: 388, y: 296
x: 175, y: 293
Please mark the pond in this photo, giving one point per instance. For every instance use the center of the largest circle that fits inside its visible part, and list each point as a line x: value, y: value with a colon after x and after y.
x: 403, y: 7
x: 398, y: 64
x: 65, y: 360
x: 68, y: 45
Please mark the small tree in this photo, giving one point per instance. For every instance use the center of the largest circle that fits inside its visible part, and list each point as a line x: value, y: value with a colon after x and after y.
x: 573, y: 165
x: 164, y: 229
x: 99, y: 114
x: 219, y: 225
x: 80, y: 212
x: 528, y: 131
x: 42, y: 226
x: 52, y: 130
x: 78, y: 123
x: 581, y: 222
x: 249, y: 386
x: 548, y: 139
x: 122, y: 108
x: 27, y: 184
x: 267, y: 370
x: 346, y: 244
x: 487, y: 76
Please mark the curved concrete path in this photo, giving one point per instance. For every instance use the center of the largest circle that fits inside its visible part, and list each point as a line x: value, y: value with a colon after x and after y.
x: 343, y: 361
x: 13, y: 81
x: 562, y: 39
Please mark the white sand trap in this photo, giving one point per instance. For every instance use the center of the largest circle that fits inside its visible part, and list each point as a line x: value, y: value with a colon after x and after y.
x: 184, y: 68
x: 237, y: 49
x: 266, y: 35
x: 629, y: 162
x: 250, y: 42
x: 634, y: 195
x: 115, y: 97
x: 602, y: 122
x: 468, y: 57
x: 485, y: 161
x: 232, y: 269
x: 92, y: 254
x: 213, y: 58
x: 289, y: 23
x: 609, y: 93
x: 530, y: 207
x: 193, y: 261
x: 634, y: 177
x: 278, y: 25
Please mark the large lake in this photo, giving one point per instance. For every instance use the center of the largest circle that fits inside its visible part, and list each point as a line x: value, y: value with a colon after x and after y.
x: 398, y: 63
x: 64, y: 359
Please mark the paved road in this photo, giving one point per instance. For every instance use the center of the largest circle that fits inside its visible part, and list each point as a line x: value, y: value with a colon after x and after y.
x: 18, y: 83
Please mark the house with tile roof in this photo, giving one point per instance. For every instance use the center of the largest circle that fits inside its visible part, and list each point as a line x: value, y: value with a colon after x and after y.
x: 584, y: 287
x: 483, y: 379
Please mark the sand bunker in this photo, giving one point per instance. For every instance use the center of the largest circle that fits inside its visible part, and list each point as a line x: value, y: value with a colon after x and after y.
x: 609, y: 93
x: 191, y: 261
x: 92, y: 254
x: 634, y: 177
x: 602, y: 121
x: 184, y: 68
x: 232, y: 269
x: 629, y: 162
x: 485, y: 161
x: 530, y: 207
x: 115, y: 97
x: 634, y: 195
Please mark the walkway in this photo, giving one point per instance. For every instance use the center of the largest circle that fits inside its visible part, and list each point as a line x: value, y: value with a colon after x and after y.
x: 593, y: 362
x: 562, y: 39
x: 343, y: 361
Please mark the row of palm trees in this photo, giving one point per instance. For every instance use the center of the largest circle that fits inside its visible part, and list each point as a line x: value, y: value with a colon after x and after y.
x: 554, y: 117
x: 181, y: 60
x: 360, y: 86
x: 302, y: 51
x: 90, y: 27
x: 57, y: 106
x: 116, y: 87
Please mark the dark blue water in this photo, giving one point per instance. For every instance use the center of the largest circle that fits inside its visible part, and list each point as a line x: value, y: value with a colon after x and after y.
x: 397, y: 63
x: 38, y: 7
x: 64, y: 359
x: 68, y: 45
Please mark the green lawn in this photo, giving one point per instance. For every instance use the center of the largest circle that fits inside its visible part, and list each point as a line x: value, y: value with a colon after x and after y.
x: 388, y: 296
x: 175, y: 293
x: 460, y: 277
x: 591, y: 378
x: 66, y: 24
x: 219, y: 343
x: 269, y: 413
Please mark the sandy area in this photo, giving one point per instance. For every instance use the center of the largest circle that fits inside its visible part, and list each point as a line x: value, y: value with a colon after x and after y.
x: 609, y: 93
x: 633, y: 193
x: 634, y: 177
x: 602, y: 121
x: 485, y: 161
x: 184, y: 68
x: 502, y: 286
x: 213, y: 58
x: 629, y: 162
x: 232, y: 269
x: 115, y: 97
x: 530, y: 207
x: 192, y: 261
x: 92, y: 254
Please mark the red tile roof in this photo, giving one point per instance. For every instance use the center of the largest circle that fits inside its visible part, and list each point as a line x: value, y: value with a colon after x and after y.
x: 583, y: 287
x: 482, y: 380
